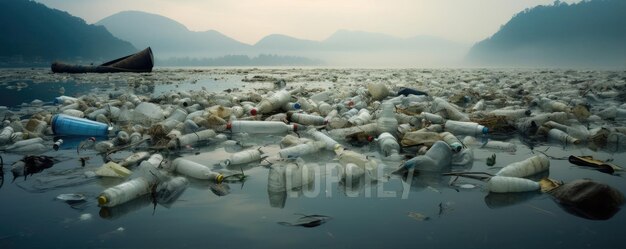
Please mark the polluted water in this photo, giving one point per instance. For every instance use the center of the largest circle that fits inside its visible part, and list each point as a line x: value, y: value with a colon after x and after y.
x: 285, y: 157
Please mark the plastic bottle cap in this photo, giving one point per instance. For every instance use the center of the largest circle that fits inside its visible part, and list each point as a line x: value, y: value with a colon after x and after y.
x: 102, y: 200
x: 219, y: 178
x: 295, y: 127
x: 229, y: 126
x: 370, y: 138
x: 485, y: 130
x: 297, y: 106
x: 253, y: 112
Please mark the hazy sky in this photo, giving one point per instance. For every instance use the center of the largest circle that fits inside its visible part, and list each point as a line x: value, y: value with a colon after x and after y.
x: 466, y: 21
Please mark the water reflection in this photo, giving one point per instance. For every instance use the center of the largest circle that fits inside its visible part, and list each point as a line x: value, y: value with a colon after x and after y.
x: 288, y: 179
x: 502, y: 200
x: 113, y: 213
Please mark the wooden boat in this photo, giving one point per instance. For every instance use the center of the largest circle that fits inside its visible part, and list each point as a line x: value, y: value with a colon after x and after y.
x: 140, y: 62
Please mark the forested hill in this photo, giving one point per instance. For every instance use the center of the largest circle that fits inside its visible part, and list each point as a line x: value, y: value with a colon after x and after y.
x: 586, y: 34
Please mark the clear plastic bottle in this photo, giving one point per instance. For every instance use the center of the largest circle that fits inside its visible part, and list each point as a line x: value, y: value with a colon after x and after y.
x: 260, y: 127
x: 319, y: 136
x: 301, y: 149
x: 579, y: 132
x: 491, y: 144
x: 527, y: 167
x: 324, y: 108
x: 305, y: 119
x: 168, y: 191
x: 465, y: 128
x: 275, y: 101
x: 388, y: 144
x: 246, y: 156
x: 436, y: 159
x: 387, y: 121
x: 363, y: 117
x: 433, y: 118
x: 561, y: 136
x: 195, y: 170
x: 452, y: 141
x: 453, y: 113
x: 192, y: 139
x: 5, y: 135
x: 291, y: 106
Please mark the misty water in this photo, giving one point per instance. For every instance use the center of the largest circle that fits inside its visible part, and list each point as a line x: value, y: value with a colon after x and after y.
x: 425, y: 211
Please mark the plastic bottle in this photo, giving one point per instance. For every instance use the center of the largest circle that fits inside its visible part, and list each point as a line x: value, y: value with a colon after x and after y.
x: 64, y: 100
x: 57, y: 144
x: 527, y: 167
x: 346, y: 157
x: 342, y: 133
x: 562, y: 137
x: 440, y: 104
x: 68, y: 125
x: 548, y: 105
x: 511, y: 114
x: 168, y: 191
x: 260, y: 127
x: 28, y: 145
x: 305, y: 119
x: 433, y: 118
x: 540, y: 119
x: 613, y: 113
x: 350, y: 113
x: 363, y: 117
x: 579, y: 132
x: 5, y: 135
x: 324, y: 108
x: 387, y: 121
x: 242, y: 157
x: 506, y: 184
x: 291, y: 106
x: 103, y: 146
x: 192, y: 139
x: 491, y: 144
x: 436, y: 159
x: 124, y: 192
x: 37, y: 127
x: 319, y: 136
x: 74, y: 113
x: 195, y: 170
x: 452, y: 141
x: 267, y: 105
x: 479, y: 106
x: 465, y: 128
x: 135, y: 158
x: 301, y: 149
x: 388, y: 144
x: 147, y: 113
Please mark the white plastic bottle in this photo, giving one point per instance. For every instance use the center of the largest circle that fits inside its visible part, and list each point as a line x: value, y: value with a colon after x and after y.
x: 452, y: 141
x: 275, y: 101
x: 387, y: 121
x: 580, y: 132
x: 305, y: 119
x: 561, y: 136
x: 192, y: 139
x: 195, y: 170
x: 260, y: 127
x: 363, y: 117
x: 124, y: 192
x: 388, y: 144
x: 301, y: 149
x: 319, y: 136
x: 246, y: 156
x: 527, y: 167
x: 506, y: 184
x: 433, y: 118
x: 440, y: 104
x: 465, y: 128
x: 5, y: 135
x: 491, y: 144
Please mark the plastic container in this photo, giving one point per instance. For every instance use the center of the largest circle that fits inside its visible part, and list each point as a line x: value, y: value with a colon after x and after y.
x: 134, y: 159
x: 195, y: 170
x: 377, y: 90
x: 436, y: 159
x: 342, y: 133
x: 511, y: 114
x: 363, y: 117
x: 124, y: 192
x: 527, y: 167
x: 192, y: 139
x: 388, y: 144
x: 387, y: 121
x: 324, y: 108
x: 452, y: 112
x: 319, y: 136
x: 452, y: 141
x: 291, y: 106
x: 561, y: 136
x: 305, y: 119
x: 491, y: 144
x: 267, y: 105
x: 465, y: 128
x: 167, y: 192
x: 433, y: 118
x: 246, y: 156
x: 479, y: 106
x: 346, y: 157
x: 57, y: 144
x: 72, y: 126
x: 74, y: 113
x: 506, y: 184
x: 579, y: 132
x: 260, y: 127
x: 147, y: 113
x: 5, y: 135
x: 301, y: 149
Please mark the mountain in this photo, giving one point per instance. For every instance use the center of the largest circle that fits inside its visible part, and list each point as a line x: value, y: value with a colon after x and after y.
x: 586, y: 34
x: 31, y: 32
x: 279, y: 42
x: 169, y: 38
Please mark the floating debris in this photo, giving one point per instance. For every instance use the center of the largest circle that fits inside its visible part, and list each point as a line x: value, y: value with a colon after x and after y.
x: 418, y: 216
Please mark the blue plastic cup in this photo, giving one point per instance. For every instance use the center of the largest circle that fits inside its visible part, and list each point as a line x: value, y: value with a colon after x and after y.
x: 73, y: 126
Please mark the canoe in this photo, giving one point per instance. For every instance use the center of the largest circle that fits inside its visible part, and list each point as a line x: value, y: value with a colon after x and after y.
x: 140, y: 62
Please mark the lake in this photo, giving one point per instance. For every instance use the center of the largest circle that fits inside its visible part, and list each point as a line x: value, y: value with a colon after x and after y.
x: 423, y: 211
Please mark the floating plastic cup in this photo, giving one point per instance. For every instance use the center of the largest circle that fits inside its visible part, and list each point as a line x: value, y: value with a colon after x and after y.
x: 73, y: 126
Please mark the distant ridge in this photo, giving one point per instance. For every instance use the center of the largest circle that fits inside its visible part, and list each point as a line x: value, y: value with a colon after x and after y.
x: 586, y: 34
x: 33, y: 34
